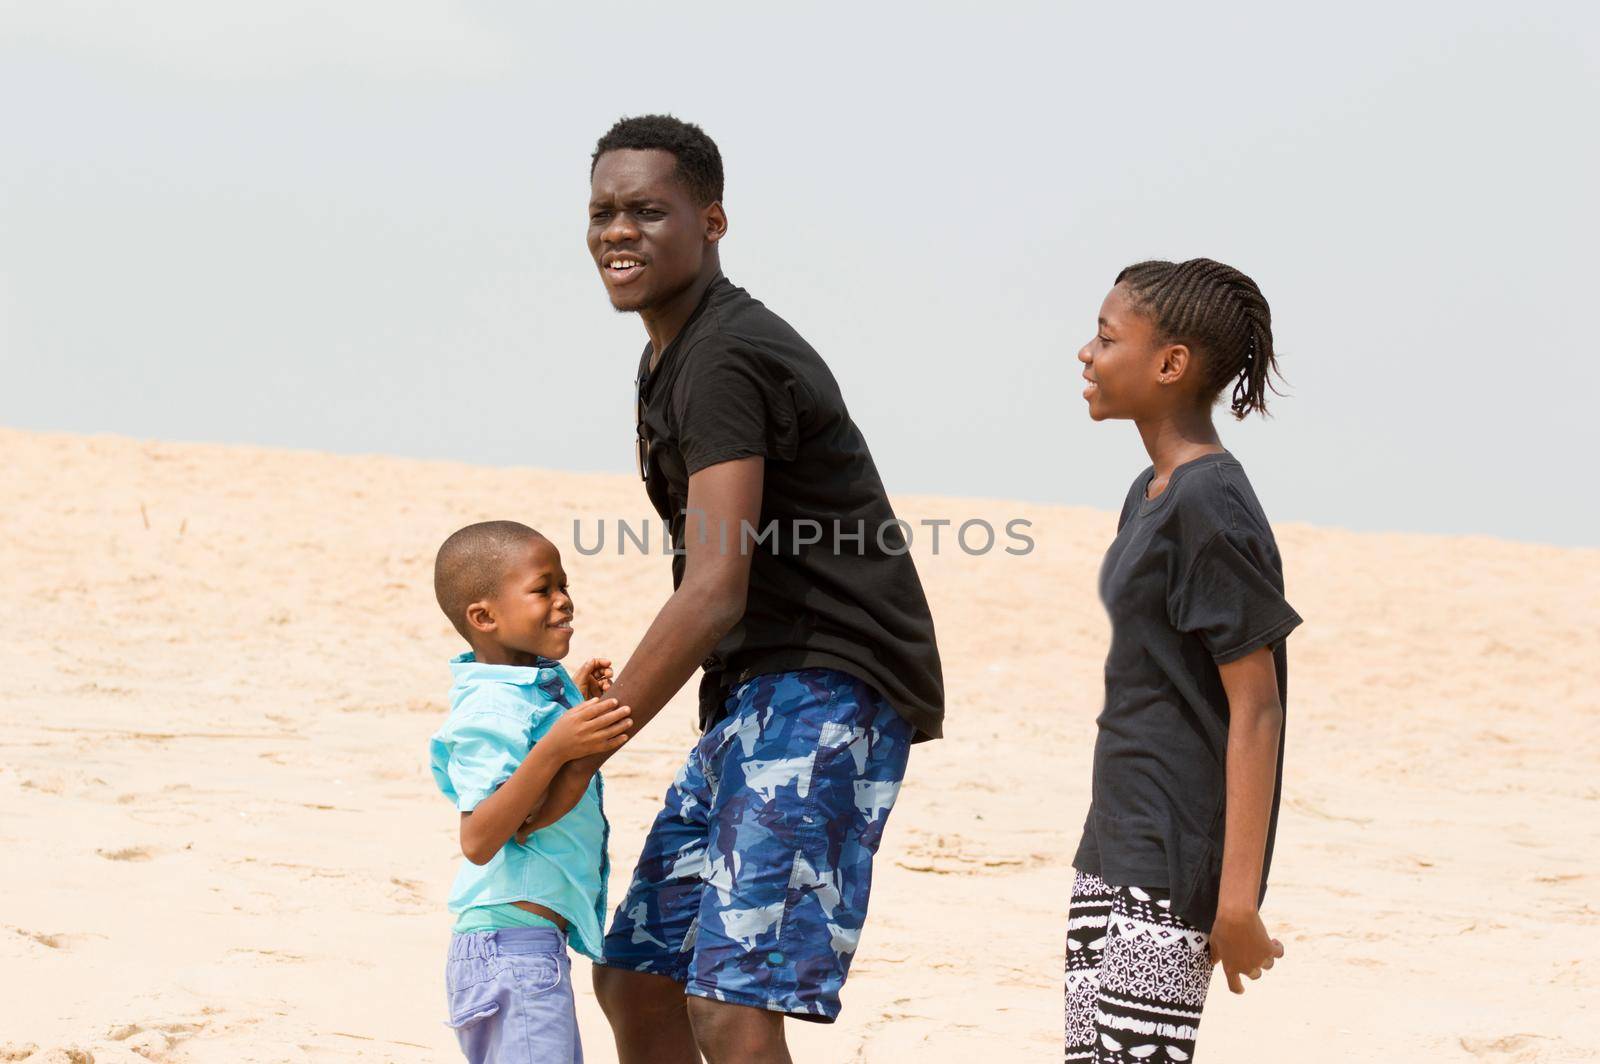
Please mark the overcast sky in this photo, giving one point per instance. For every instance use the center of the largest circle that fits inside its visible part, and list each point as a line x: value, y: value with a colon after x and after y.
x: 359, y: 227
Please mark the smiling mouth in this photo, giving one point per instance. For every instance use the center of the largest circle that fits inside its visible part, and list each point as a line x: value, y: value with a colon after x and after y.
x: 622, y: 268
x: 565, y: 626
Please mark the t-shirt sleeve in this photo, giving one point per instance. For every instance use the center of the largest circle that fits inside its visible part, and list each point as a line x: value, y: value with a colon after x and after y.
x: 485, y: 749
x: 730, y: 402
x: 1231, y: 598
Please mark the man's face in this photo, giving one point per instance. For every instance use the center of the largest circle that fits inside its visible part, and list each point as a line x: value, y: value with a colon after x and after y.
x: 646, y: 233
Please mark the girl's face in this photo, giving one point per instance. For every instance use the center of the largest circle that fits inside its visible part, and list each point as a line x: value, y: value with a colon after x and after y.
x: 1123, y: 363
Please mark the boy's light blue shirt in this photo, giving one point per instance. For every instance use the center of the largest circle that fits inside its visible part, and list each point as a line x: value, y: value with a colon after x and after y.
x: 497, y: 713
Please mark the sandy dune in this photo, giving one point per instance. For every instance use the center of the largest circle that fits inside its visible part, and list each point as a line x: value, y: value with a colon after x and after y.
x: 221, y: 843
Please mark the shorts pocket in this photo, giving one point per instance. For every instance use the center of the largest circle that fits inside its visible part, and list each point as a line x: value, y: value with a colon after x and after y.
x: 535, y: 973
x: 464, y: 1017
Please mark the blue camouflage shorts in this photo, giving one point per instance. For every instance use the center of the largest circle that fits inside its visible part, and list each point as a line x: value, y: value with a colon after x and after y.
x: 753, y: 884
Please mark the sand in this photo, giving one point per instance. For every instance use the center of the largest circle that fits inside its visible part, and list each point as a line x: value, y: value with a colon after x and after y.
x: 222, y: 844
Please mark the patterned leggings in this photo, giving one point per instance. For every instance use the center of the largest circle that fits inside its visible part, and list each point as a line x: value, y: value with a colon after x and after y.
x: 1136, y: 976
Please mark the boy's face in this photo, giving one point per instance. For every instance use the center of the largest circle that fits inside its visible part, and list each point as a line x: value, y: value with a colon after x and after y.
x: 531, y: 612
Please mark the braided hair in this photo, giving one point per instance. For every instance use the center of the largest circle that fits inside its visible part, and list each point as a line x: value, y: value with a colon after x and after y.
x: 1217, y: 312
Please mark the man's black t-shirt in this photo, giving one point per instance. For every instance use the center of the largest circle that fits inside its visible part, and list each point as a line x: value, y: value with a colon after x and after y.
x: 736, y: 382
x: 1192, y: 581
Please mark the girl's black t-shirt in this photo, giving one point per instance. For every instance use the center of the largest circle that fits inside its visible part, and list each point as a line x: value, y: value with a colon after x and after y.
x: 832, y: 584
x: 1192, y: 581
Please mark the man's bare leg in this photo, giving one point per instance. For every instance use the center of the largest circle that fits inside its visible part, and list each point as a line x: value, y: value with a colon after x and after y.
x: 738, y: 1034
x: 649, y: 1016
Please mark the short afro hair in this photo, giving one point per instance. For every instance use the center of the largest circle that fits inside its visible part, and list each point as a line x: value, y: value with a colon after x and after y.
x: 471, y: 564
x: 699, y: 161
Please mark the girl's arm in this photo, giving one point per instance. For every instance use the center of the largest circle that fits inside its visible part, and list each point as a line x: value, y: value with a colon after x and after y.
x: 1239, y: 940
x: 595, y: 727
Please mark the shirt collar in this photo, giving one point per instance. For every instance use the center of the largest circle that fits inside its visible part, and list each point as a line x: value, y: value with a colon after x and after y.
x: 647, y: 376
x: 466, y: 668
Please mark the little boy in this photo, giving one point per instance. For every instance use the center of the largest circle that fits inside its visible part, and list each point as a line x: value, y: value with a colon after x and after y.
x: 515, y: 718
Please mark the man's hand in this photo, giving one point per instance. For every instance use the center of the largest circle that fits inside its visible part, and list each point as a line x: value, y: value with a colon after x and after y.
x: 593, y: 677
x: 1240, y: 943
x: 566, y: 789
x: 595, y: 727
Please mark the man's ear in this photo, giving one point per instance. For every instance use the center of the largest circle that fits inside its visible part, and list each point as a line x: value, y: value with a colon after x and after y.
x: 716, y: 220
x: 480, y: 617
x: 1175, y: 362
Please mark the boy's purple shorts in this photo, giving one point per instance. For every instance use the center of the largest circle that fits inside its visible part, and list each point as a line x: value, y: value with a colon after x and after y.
x: 511, y: 996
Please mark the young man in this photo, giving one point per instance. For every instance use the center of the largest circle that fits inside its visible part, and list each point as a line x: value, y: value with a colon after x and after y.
x: 796, y: 593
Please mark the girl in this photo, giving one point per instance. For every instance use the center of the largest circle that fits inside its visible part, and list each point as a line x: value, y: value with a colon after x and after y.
x: 1173, y: 863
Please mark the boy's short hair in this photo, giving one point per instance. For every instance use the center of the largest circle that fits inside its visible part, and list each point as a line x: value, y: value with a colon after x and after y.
x: 471, y: 563
x: 699, y: 162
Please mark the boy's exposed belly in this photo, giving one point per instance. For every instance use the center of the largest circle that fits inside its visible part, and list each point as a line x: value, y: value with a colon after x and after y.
x: 539, y: 910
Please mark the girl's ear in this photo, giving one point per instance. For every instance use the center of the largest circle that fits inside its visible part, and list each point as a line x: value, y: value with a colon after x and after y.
x: 1175, y: 360
x: 480, y: 617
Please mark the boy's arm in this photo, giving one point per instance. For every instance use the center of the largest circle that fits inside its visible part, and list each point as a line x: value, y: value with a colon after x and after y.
x: 723, y: 499
x: 1239, y: 940
x: 587, y: 729
x: 510, y: 804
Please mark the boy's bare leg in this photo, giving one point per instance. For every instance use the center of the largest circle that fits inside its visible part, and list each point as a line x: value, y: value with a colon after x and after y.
x: 649, y: 1016
x: 738, y: 1034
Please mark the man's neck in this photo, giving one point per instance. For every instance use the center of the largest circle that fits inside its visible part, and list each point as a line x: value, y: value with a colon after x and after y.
x: 664, y: 322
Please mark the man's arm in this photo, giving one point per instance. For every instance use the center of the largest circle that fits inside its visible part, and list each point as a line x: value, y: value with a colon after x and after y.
x: 1239, y: 940
x: 709, y: 602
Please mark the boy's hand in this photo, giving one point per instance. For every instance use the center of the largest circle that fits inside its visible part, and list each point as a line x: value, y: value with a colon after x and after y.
x: 598, y: 726
x: 593, y: 677
x: 1240, y: 943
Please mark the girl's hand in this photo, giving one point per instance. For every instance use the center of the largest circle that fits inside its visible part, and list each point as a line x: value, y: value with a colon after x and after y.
x: 593, y: 677
x: 1240, y: 943
x: 595, y: 727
